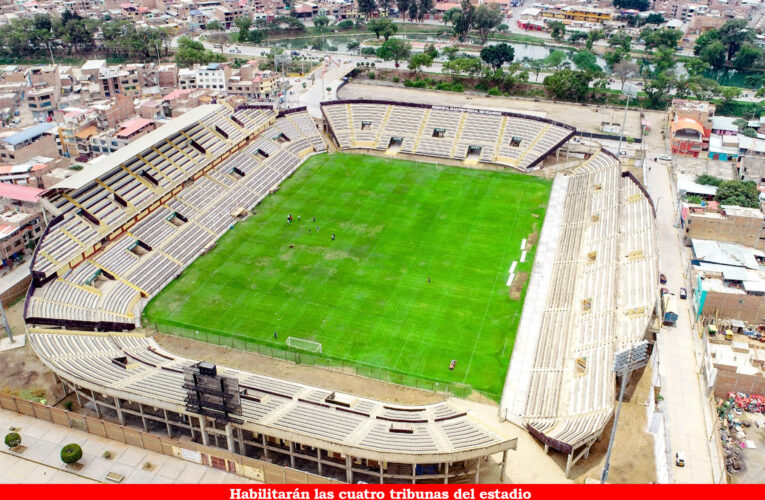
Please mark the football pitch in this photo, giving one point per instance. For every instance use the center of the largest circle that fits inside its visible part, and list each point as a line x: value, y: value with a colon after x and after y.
x: 415, y: 277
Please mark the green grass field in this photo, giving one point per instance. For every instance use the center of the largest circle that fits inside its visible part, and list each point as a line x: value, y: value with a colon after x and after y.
x: 365, y: 296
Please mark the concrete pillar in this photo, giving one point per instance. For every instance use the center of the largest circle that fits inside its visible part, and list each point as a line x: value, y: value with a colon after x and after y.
x: 414, y: 471
x: 318, y: 455
x: 446, y: 473
x: 95, y: 405
x: 143, y: 419
x: 348, y: 471
x: 203, y: 430
x: 568, y: 462
x: 265, y: 445
x: 477, y: 470
x: 292, y: 454
x: 504, y: 466
x: 230, y: 438
x: 167, y: 424
x: 240, y: 438
x: 118, y: 407
x: 77, y: 395
x: 382, y: 480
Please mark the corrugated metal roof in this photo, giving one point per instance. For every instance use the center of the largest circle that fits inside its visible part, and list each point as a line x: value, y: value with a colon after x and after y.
x: 20, y: 193
x: 30, y: 133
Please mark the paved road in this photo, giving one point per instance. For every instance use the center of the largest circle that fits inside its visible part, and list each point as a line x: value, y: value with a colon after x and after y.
x: 681, y: 387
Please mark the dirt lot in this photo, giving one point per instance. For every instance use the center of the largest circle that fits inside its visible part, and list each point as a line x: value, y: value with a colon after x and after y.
x: 21, y: 372
x: 321, y: 377
x: 584, y: 118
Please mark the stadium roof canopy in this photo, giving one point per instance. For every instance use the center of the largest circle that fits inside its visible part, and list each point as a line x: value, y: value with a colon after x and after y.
x: 105, y: 164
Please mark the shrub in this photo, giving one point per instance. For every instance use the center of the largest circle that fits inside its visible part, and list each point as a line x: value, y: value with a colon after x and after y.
x: 12, y: 439
x: 107, y: 454
x: 71, y: 453
x: 371, y: 75
x: 494, y: 91
x: 419, y: 84
x: 395, y: 79
x: 372, y: 64
x: 368, y: 51
x: 68, y: 405
x: 452, y: 87
x: 345, y: 24
x: 708, y: 180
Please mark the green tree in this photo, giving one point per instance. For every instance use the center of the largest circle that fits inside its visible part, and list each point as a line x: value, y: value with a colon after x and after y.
x: 592, y: 37
x: 703, y: 88
x: 424, y: 7
x: 585, y: 60
x: 663, y: 59
x: 450, y: 52
x: 403, y: 7
x: 320, y: 23
x: 577, y: 37
x: 430, y: 49
x: 243, y: 23
x: 654, y: 18
x: 382, y: 27
x: 640, y: 5
x: 419, y: 61
x: 714, y: 54
x: 614, y: 57
x: 192, y: 52
x: 620, y: 40
x: 535, y: 65
x: 747, y: 57
x: 729, y: 94
x: 395, y: 49
x: 555, y: 60
x: 557, y: 30
x: 734, y: 34
x: 498, y: 54
x: 462, y: 20
x: 695, y: 66
x: 739, y: 193
x: 486, y: 18
x: 568, y: 84
x: 345, y: 24
x: 366, y: 7
x: 353, y: 46
x: 705, y: 39
x: 660, y: 37
x: 463, y: 66
x: 658, y: 89
x: 214, y: 25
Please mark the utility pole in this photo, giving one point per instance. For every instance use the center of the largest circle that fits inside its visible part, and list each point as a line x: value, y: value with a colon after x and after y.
x: 630, y: 91
x: 5, y: 324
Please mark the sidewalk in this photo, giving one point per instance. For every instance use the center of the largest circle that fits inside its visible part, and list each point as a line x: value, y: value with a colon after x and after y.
x: 41, y: 461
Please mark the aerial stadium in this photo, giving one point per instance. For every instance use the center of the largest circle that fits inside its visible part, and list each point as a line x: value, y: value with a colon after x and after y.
x: 408, y: 237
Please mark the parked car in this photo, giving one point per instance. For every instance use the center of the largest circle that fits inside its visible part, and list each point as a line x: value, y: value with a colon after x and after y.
x: 680, y: 459
x: 683, y: 293
x: 665, y: 157
x: 663, y: 278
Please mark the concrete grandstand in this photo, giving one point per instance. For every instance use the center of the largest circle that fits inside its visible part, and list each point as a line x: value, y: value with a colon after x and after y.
x: 133, y: 221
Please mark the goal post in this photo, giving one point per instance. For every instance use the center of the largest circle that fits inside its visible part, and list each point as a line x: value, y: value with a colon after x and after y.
x: 304, y: 345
